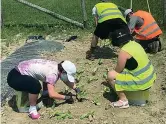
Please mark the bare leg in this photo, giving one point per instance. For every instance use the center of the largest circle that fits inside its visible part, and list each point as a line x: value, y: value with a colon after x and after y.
x: 94, y: 41
x: 111, y: 79
x: 32, y: 109
x: 90, y: 53
x: 33, y: 99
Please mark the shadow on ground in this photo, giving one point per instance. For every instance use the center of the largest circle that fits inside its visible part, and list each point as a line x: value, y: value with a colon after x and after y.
x: 104, y: 53
x: 111, y: 96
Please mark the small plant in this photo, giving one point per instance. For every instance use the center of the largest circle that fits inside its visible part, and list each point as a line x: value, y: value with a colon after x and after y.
x: 62, y: 115
x: 81, y: 96
x: 105, y: 75
x: 107, y: 89
x: 80, y: 71
x: 78, y: 78
x: 54, y: 104
x: 92, y: 79
x: 94, y: 71
x: 79, y: 74
x: 87, y: 115
x: 96, y: 101
x: 100, y: 62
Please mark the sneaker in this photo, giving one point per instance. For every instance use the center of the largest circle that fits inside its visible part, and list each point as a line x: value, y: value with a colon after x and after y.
x: 121, y: 104
x: 34, y: 115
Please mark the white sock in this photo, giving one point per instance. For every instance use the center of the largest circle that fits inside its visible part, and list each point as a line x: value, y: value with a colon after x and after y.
x: 32, y: 109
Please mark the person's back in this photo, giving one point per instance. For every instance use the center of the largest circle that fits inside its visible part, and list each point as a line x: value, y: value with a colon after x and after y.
x: 149, y: 29
x: 145, y: 29
x: 144, y: 70
x: 106, y: 11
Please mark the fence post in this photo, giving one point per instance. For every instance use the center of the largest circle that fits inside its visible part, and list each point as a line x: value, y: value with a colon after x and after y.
x: 84, y: 13
x: 51, y: 13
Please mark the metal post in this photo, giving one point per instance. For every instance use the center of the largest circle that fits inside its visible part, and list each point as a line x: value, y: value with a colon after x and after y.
x: 51, y: 13
x: 131, y: 4
x: 84, y: 13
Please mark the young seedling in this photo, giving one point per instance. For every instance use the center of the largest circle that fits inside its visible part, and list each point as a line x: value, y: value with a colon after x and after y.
x: 106, y: 89
x: 94, y: 71
x: 80, y: 71
x: 105, y: 75
x: 78, y: 78
x: 54, y: 104
x: 96, y: 101
x: 87, y: 115
x: 62, y: 115
x: 92, y: 79
x: 81, y: 96
x: 100, y: 62
x: 79, y: 74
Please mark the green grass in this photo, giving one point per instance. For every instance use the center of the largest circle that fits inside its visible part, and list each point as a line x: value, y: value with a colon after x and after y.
x: 19, y: 18
x: 17, y: 13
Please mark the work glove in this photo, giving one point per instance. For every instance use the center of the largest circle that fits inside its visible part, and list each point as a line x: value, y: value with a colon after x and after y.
x: 77, y: 90
x: 90, y: 54
x: 69, y: 99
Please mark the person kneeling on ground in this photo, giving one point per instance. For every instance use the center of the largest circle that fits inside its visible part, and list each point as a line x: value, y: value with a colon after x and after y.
x: 26, y: 76
x: 133, y: 71
x: 145, y: 28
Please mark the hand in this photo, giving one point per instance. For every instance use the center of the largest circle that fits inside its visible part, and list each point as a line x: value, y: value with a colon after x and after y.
x: 69, y: 99
x: 77, y: 90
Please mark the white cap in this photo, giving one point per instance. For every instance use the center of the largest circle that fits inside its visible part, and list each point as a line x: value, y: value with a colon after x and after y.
x: 127, y: 11
x: 70, y: 68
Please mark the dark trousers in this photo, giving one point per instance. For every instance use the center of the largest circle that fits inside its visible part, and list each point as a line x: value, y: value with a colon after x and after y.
x: 23, y: 82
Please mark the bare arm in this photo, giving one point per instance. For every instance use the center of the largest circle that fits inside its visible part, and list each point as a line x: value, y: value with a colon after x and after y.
x: 132, y: 23
x: 122, y: 59
x: 53, y: 94
x: 96, y: 20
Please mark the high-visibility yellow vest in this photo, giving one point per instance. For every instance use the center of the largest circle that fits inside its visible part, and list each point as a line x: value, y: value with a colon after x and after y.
x: 140, y: 78
x: 106, y: 11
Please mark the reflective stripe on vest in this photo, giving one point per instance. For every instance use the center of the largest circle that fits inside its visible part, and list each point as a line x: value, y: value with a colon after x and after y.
x: 151, y: 32
x: 109, y: 14
x: 146, y: 27
x: 109, y: 9
x: 137, y: 82
x: 139, y: 71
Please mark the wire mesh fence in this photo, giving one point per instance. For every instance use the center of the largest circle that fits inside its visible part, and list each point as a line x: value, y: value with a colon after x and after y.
x: 15, y: 13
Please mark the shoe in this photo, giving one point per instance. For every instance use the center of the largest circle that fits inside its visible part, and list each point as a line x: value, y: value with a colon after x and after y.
x: 34, y: 115
x: 120, y: 104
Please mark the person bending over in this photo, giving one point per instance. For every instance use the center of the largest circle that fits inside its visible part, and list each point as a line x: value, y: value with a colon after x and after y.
x: 27, y: 74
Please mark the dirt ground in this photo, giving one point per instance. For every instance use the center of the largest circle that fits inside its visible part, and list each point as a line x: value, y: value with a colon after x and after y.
x: 153, y: 113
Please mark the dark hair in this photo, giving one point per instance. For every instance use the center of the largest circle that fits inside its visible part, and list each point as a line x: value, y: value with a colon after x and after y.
x: 104, y: 0
x: 60, y: 68
x: 121, y: 37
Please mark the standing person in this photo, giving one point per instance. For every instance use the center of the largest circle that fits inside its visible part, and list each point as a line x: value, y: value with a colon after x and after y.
x: 133, y: 72
x: 26, y: 76
x: 108, y: 18
x: 145, y: 28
